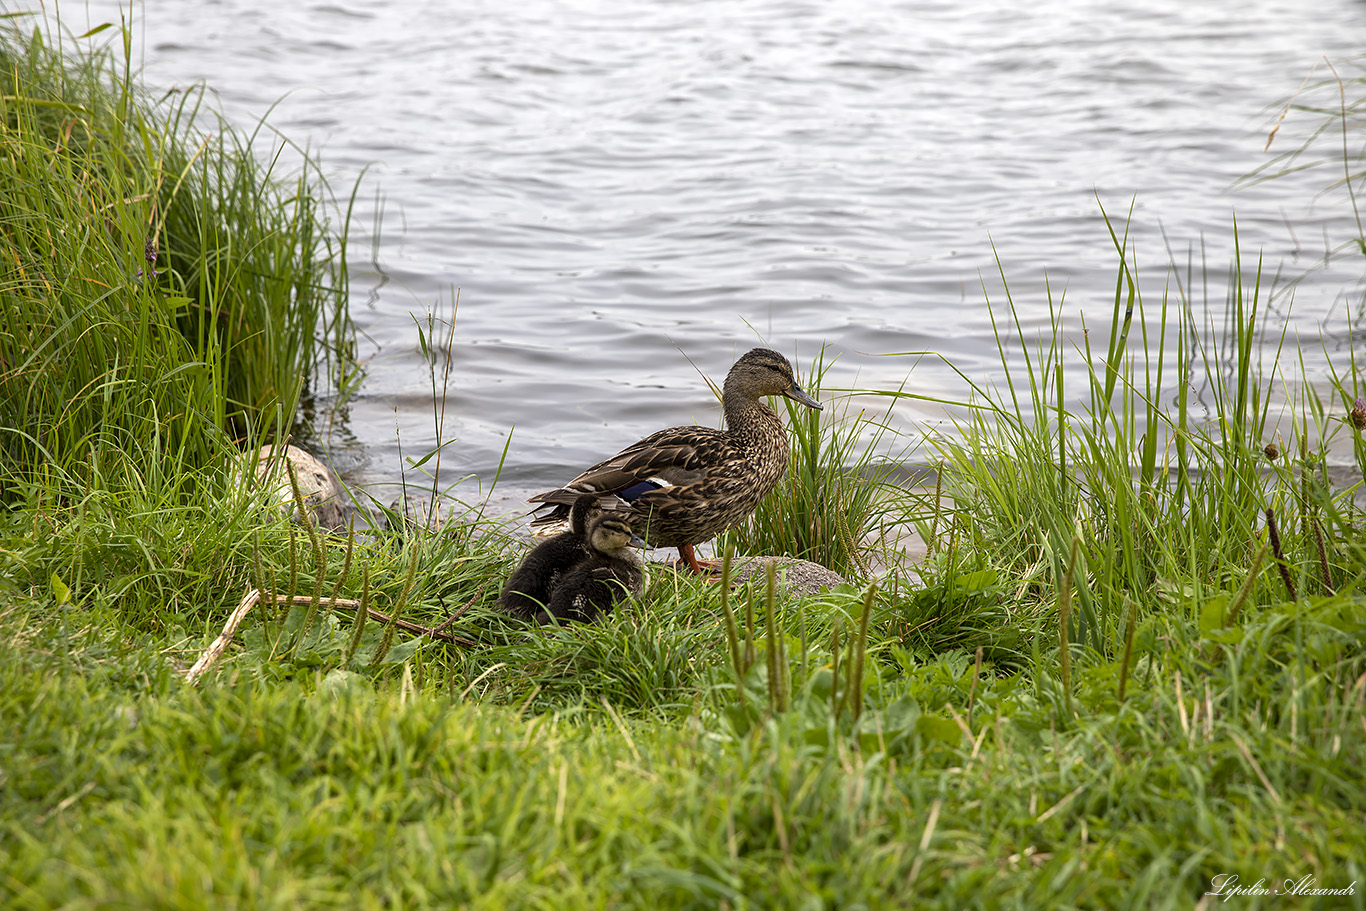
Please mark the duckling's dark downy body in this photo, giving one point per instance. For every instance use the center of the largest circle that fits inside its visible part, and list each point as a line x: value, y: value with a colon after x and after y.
x: 528, y: 589
x: 684, y: 485
x: 611, y: 571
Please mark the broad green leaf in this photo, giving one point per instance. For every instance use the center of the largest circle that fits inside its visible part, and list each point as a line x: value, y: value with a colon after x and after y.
x: 60, y: 590
x: 945, y: 730
x: 1212, y: 614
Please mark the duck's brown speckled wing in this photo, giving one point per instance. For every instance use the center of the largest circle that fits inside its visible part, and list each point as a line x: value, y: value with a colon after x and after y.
x: 676, y: 456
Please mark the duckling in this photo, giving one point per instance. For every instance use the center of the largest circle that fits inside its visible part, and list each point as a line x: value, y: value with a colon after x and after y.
x: 610, y: 571
x: 528, y: 589
x: 683, y: 486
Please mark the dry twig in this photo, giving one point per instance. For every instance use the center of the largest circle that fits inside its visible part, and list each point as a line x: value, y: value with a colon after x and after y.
x: 253, y: 597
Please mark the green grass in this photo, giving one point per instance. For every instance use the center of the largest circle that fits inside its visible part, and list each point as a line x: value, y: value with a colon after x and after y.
x: 128, y: 788
x: 1098, y: 692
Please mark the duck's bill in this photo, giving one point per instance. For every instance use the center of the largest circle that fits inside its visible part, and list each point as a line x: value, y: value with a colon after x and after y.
x: 797, y: 394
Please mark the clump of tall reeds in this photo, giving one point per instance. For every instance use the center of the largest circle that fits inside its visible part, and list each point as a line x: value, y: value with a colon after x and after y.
x: 161, y: 290
x: 1098, y: 471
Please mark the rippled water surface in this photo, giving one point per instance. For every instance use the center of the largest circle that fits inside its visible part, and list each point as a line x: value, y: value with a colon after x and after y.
x: 616, y: 188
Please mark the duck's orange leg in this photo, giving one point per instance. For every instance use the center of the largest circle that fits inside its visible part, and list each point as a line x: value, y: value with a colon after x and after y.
x: 687, y: 557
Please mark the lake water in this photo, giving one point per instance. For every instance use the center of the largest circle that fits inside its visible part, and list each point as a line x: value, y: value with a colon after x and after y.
x: 617, y: 188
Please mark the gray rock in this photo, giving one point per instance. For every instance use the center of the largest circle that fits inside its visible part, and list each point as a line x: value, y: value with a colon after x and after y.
x: 321, y: 489
x: 795, y: 577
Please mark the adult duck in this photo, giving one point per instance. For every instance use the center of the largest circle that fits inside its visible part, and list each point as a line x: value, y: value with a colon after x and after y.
x: 685, y: 485
x: 610, y: 571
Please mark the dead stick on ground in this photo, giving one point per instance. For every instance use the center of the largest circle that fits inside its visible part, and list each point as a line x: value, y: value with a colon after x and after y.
x: 253, y: 597
x: 220, y: 645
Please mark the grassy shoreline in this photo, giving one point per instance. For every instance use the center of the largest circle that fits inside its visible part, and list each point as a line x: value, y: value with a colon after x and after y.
x: 1107, y: 687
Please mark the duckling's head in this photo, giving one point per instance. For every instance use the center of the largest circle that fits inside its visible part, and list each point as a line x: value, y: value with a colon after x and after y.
x: 609, y: 533
x: 581, y: 514
x: 764, y: 371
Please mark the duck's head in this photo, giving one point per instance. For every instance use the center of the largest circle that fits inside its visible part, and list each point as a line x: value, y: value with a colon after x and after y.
x: 610, y: 533
x: 581, y: 514
x: 764, y: 371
